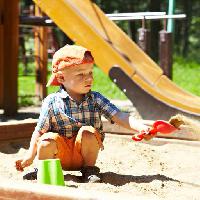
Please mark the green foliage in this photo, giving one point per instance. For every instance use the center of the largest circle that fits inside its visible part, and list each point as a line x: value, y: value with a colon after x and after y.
x: 26, y: 85
x: 26, y: 88
x: 25, y: 101
x: 186, y: 74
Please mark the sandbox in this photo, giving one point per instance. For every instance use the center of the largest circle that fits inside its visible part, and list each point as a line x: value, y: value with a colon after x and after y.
x: 158, y: 169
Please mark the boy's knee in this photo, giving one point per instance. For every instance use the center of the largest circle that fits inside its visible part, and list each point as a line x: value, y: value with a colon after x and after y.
x: 88, y: 129
x: 47, y: 144
x: 87, y: 135
x: 90, y: 136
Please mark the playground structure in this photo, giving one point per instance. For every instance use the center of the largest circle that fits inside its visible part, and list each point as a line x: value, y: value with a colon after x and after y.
x: 145, y: 79
x: 103, y: 34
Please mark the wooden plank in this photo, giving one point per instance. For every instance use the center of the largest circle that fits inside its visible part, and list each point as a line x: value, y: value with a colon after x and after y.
x: 1, y: 54
x: 41, y: 57
x: 10, y: 58
x: 17, y: 130
x: 25, y: 128
x: 30, y: 191
x: 185, y: 133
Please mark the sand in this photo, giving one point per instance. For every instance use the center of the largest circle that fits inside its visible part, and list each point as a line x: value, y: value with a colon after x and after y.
x: 158, y: 169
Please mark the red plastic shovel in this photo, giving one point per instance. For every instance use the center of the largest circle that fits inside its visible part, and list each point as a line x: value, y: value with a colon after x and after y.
x: 158, y: 126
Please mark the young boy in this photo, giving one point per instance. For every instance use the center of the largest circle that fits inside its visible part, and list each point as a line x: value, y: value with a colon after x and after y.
x: 70, y: 126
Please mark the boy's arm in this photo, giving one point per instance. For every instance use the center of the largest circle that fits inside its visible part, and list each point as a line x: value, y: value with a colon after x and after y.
x: 30, y: 155
x: 42, y: 127
x: 33, y: 144
x: 129, y: 122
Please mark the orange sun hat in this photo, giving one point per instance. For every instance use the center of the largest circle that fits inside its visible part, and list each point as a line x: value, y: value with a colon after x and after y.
x: 68, y: 56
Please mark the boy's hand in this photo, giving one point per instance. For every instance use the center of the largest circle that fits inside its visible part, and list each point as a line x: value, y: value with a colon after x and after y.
x: 148, y: 137
x: 21, y: 164
x: 145, y: 134
x: 140, y: 127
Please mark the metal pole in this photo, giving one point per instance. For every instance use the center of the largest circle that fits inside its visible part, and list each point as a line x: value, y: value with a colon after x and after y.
x: 170, y: 24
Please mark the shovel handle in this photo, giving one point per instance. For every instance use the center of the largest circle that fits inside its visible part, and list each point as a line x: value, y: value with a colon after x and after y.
x: 140, y: 136
x: 158, y: 126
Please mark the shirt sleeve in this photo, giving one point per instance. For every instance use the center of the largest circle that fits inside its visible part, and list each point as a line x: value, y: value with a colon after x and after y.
x: 106, y: 107
x: 43, y: 124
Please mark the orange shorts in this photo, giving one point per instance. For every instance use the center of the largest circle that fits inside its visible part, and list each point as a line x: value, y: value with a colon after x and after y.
x: 69, y: 149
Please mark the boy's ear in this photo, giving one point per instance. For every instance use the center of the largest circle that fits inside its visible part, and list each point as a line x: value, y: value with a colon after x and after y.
x: 59, y: 77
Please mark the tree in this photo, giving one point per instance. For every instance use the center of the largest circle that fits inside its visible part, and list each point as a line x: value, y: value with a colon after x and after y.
x: 155, y: 27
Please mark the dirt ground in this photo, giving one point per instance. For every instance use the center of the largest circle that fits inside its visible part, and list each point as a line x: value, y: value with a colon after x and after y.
x: 158, y: 169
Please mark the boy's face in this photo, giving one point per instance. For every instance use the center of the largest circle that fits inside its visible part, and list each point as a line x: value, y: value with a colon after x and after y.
x: 78, y: 80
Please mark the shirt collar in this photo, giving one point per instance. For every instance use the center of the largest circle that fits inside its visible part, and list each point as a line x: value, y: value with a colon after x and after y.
x: 64, y: 94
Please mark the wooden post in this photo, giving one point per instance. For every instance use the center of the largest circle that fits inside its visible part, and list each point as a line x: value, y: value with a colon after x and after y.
x: 144, y: 38
x: 1, y: 54
x: 41, y: 58
x: 165, y: 52
x: 10, y: 56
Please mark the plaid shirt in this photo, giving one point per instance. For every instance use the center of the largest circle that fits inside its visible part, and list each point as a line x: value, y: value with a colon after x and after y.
x: 61, y: 114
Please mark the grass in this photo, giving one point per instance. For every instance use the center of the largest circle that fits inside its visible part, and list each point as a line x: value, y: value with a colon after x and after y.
x: 186, y: 74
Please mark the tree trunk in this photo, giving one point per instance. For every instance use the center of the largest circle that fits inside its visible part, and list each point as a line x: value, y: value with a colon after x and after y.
x: 186, y: 30
x: 132, y: 24
x: 155, y: 27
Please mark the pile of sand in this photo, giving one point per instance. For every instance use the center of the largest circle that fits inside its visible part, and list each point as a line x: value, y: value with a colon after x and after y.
x: 161, y: 168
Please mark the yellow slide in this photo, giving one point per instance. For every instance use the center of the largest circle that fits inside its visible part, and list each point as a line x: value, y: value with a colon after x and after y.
x: 87, y: 25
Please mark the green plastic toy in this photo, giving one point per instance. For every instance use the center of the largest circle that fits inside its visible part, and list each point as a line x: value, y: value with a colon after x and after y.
x: 50, y: 172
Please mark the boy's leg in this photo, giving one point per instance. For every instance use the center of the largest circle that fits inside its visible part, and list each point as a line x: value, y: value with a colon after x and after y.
x: 52, y: 145
x: 47, y: 149
x: 90, y: 145
x: 74, y: 153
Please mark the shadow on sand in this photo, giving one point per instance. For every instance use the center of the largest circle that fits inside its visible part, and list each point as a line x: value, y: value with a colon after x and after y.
x: 10, y: 147
x: 119, y: 179
x: 116, y: 179
x: 19, y: 116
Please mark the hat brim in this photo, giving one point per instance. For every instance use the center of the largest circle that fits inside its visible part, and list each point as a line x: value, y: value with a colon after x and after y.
x: 53, y: 81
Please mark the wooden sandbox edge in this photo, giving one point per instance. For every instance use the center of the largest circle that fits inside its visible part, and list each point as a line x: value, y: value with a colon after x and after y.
x: 21, y: 190
x: 24, y: 129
